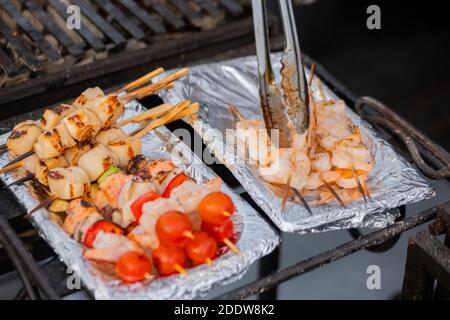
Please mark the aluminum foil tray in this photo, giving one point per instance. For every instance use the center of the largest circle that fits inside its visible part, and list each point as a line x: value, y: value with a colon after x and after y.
x: 256, y: 237
x: 393, y: 182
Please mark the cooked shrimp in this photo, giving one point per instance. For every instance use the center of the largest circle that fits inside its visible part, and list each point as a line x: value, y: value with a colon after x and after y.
x: 78, y: 211
x: 110, y: 247
x: 145, y: 233
x: 110, y: 190
x: 286, y: 164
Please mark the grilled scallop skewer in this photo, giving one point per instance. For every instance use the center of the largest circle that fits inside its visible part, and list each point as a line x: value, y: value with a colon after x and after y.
x: 111, y: 147
x: 68, y: 182
x: 25, y: 134
x: 84, y: 124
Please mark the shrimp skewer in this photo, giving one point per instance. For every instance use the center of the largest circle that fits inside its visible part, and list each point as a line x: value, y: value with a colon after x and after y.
x: 332, y: 152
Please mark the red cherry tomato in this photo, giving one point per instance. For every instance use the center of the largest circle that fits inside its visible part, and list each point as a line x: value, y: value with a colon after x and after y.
x: 216, y: 208
x: 169, y: 260
x: 136, y: 206
x: 220, y: 232
x: 133, y: 267
x: 101, y: 225
x: 175, y: 182
x: 173, y: 228
x: 202, y: 248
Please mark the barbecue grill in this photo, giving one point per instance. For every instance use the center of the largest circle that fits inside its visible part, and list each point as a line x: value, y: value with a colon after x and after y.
x: 120, y: 39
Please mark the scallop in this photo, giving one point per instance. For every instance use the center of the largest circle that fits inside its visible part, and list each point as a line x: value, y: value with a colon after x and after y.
x: 68, y: 183
x: 88, y: 95
x: 29, y: 163
x: 107, y: 109
x: 125, y: 149
x: 96, y: 161
x: 72, y: 155
x: 23, y: 137
x: 54, y: 142
x: 44, y: 165
x: 52, y: 117
x: 82, y: 125
x: 106, y: 136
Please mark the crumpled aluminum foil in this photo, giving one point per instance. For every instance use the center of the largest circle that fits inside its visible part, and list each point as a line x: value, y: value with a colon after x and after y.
x: 256, y: 237
x: 393, y: 182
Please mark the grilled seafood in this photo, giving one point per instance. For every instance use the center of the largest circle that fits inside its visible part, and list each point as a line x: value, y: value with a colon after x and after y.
x: 149, y: 193
x: 331, y: 152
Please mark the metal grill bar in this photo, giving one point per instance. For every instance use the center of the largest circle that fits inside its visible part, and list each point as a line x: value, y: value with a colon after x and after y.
x: 104, y: 26
x: 428, y: 259
x: 210, y: 7
x: 126, y: 23
x: 327, y: 257
x: 7, y: 65
x: 26, y: 26
x: 20, y: 47
x: 151, y: 21
x: 165, y: 12
x: 233, y: 6
x: 192, y: 15
x: 73, y: 48
x: 22, y: 256
x: 85, y: 32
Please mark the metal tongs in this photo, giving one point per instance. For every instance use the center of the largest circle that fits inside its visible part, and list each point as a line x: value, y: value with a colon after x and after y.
x: 285, y: 109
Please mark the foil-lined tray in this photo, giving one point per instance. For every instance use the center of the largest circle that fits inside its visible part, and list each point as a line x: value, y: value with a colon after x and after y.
x: 255, y: 237
x: 393, y: 182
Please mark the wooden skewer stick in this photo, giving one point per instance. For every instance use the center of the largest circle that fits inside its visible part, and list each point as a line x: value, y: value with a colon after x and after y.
x: 231, y: 246
x: 180, y: 269
x: 21, y: 180
x: 209, y: 262
x: 155, y: 87
x: 366, y: 190
x: 299, y: 195
x: 147, y: 115
x: 138, y: 82
x: 236, y: 112
x: 12, y: 166
x: 164, y: 119
x: 358, y: 183
x: 322, y: 93
x: 286, y: 193
x: 333, y: 192
x: 41, y: 205
x: 311, y: 74
x: 191, y: 110
x: 189, y: 235
x: 148, y: 276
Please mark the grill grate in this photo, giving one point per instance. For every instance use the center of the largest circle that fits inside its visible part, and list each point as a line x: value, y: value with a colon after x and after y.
x: 33, y: 33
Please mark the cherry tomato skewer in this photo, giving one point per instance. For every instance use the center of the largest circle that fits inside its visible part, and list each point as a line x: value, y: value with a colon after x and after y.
x: 222, y: 234
x: 169, y: 260
x: 201, y: 249
x: 134, y: 266
x: 173, y: 228
x: 216, y: 208
x: 232, y: 246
